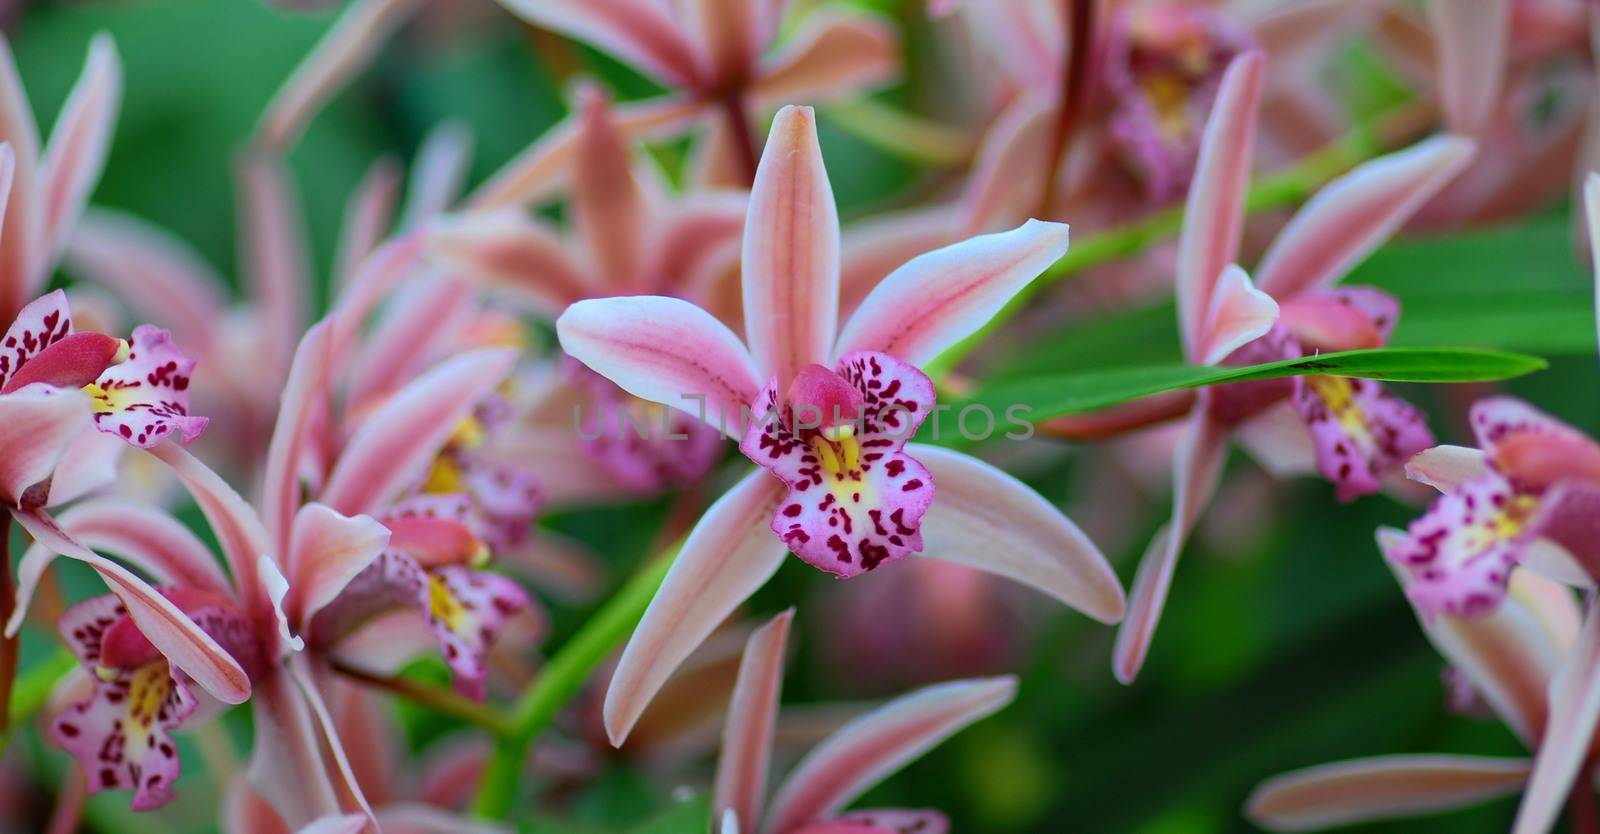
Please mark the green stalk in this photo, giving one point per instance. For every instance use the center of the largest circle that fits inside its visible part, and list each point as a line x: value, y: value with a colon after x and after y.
x: 559, y: 682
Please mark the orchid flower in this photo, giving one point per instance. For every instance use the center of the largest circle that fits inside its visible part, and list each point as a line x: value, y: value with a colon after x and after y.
x: 1511, y: 657
x: 1352, y: 431
x: 852, y: 760
x: 845, y: 492
x: 718, y: 59
x: 629, y: 237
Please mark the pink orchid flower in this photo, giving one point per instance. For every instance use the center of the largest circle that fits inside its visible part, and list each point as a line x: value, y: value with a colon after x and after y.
x: 846, y: 493
x: 721, y: 63
x: 846, y: 764
x: 1512, y: 657
x: 1351, y: 430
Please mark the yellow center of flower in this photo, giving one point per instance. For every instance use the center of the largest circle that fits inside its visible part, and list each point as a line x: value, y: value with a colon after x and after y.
x: 1502, y: 523
x: 443, y: 605
x: 839, y: 451
x: 1166, y: 93
x: 1338, y: 394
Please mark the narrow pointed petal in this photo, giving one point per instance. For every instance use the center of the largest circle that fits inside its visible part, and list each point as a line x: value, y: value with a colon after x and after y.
x: 301, y: 403
x: 276, y: 260
x: 422, y: 320
x: 79, y: 143
x: 233, y: 522
x: 145, y: 537
x: 791, y: 252
x: 393, y: 448
x: 1353, y: 215
x: 36, y: 425
x: 986, y: 519
x: 159, y: 276
x: 348, y: 47
x: 22, y: 221
x: 90, y: 463
x: 1003, y: 179
x: 1277, y: 440
x: 305, y: 680
x: 879, y: 743
x: 516, y: 254
x: 937, y: 299
x: 730, y: 36
x: 1386, y: 787
x: 830, y: 56
x: 171, y: 631
x: 608, y: 203
x: 1568, y: 734
x: 1471, y: 40
x: 342, y: 824
x: 1214, y: 214
x: 544, y: 168
x: 741, y: 783
x: 644, y: 33
x: 326, y: 551
x: 437, y: 176
x: 1591, y: 206
x: 1446, y: 468
x: 1510, y: 654
x: 368, y: 214
x: 667, y: 351
x: 1196, y: 471
x: 1239, y: 314
x: 873, y: 248
x: 287, y: 765
x: 728, y: 555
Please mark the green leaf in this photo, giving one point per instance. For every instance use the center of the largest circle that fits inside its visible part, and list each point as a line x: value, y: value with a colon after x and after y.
x: 1053, y: 396
x: 691, y: 816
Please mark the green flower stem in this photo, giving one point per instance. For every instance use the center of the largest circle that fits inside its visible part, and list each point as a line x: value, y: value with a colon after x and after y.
x: 1282, y: 189
x: 438, y: 699
x: 896, y: 132
x: 559, y: 682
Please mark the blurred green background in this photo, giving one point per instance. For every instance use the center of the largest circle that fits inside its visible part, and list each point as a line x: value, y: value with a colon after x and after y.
x: 1292, y: 646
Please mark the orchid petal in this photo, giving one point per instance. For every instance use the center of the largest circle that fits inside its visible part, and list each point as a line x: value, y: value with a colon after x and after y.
x: 144, y: 536
x: 937, y: 299
x: 542, y: 168
x: 1197, y: 468
x: 36, y: 425
x: 78, y: 144
x: 172, y: 632
x: 1509, y: 654
x: 830, y: 56
x: 1446, y: 468
x: 515, y: 253
x: 741, y: 782
x: 420, y: 323
x: 1277, y: 440
x: 20, y: 232
x: 304, y: 677
x: 1009, y: 157
x: 608, y: 203
x: 238, y: 530
x: 730, y: 36
x: 989, y: 520
x: 326, y: 551
x: 879, y: 743
x: 871, y: 249
x: 393, y: 448
x: 343, y: 824
x: 791, y: 252
x: 301, y: 403
x: 287, y: 765
x: 1361, y: 432
x: 695, y: 240
x: 72, y: 362
x: 276, y: 260
x: 641, y: 32
x: 350, y: 44
x: 43, y: 322
x: 667, y: 351
x: 1568, y: 734
x: 1471, y: 43
x: 1591, y: 204
x: 728, y: 555
x: 1351, y: 216
x: 159, y: 276
x: 90, y: 463
x: 368, y: 213
x: 146, y: 398
x: 1214, y: 214
x: 1239, y: 314
x: 1380, y: 788
x: 437, y: 175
